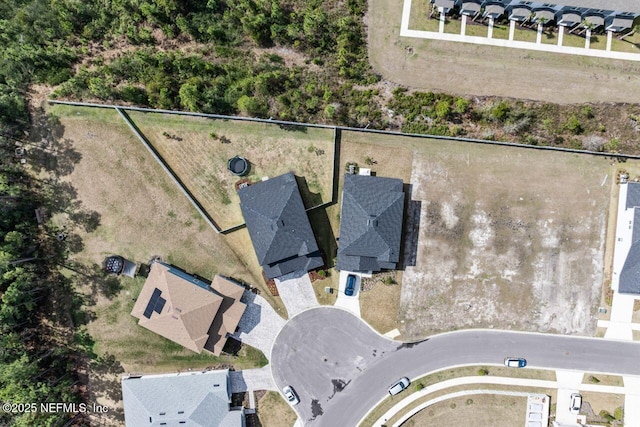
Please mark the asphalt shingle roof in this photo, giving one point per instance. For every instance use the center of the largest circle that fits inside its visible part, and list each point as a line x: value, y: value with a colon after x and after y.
x: 280, y: 231
x: 197, y: 399
x: 630, y: 274
x: 371, y: 223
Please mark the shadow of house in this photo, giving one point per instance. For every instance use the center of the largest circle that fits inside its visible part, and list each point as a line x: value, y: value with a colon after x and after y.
x: 188, y: 310
x: 370, y: 223
x: 410, y: 230
x: 309, y: 198
x: 279, y: 227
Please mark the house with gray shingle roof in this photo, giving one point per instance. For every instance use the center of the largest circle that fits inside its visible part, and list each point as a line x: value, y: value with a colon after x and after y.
x: 191, y: 399
x: 280, y: 231
x: 370, y: 223
x: 630, y: 274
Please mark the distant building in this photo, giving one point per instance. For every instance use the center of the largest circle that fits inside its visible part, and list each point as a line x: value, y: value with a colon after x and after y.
x: 611, y: 15
x: 187, y: 310
x: 370, y: 223
x: 197, y: 399
x: 280, y: 231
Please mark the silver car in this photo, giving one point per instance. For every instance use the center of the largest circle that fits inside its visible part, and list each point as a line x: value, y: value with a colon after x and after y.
x: 291, y: 395
x: 400, y: 385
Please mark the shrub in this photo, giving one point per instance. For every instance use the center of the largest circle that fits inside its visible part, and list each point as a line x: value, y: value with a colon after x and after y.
x: 593, y: 379
x: 453, y: 406
x: 443, y: 110
x: 619, y: 413
x: 322, y: 273
x: 500, y: 111
x: 460, y: 105
x: 587, y: 112
x: 483, y: 371
x: 606, y: 415
x: 573, y: 125
x: 311, y: 149
x: 469, y: 402
x: 419, y: 386
x: 368, y: 161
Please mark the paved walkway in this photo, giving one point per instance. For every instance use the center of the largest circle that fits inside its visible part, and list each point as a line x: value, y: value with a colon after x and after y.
x: 524, y: 382
x: 350, y: 303
x: 296, y: 292
x: 251, y: 379
x: 632, y: 401
x: 259, y: 324
x: 488, y: 41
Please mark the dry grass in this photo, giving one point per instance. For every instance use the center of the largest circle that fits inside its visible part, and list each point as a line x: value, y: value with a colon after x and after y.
x: 274, y: 411
x: 614, y: 380
x: 141, y: 214
x: 486, y: 410
x: 444, y: 66
x: 601, y: 401
x: 200, y: 160
x: 380, y: 307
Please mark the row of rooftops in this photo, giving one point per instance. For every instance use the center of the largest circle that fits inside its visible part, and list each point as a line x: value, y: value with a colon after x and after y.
x: 612, y: 15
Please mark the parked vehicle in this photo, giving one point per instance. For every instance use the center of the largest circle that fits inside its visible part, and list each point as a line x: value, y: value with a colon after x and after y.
x: 400, y: 385
x: 515, y: 362
x: 291, y: 395
x: 351, y: 285
x: 576, y: 403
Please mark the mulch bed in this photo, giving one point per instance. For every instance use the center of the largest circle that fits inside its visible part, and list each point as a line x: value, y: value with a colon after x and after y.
x: 369, y: 282
x: 313, y: 275
x: 242, y: 181
x: 271, y: 284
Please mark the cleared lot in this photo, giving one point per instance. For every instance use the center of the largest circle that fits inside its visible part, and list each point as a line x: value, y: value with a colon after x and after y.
x: 509, y: 238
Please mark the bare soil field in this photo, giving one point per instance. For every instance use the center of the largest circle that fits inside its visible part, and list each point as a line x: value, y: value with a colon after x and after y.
x: 467, y: 69
x: 481, y: 410
x: 200, y: 159
x: 509, y: 238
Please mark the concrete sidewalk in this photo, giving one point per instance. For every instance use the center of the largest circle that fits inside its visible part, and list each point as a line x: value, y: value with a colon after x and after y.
x: 251, y: 379
x: 523, y: 382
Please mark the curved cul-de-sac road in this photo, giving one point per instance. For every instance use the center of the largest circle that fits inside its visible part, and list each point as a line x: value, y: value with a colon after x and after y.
x: 340, y: 368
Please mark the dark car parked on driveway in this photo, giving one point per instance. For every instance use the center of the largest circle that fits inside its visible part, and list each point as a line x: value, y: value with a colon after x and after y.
x: 351, y: 285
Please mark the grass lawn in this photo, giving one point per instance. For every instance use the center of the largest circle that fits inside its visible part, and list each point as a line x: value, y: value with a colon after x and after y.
x: 141, y: 214
x: 419, y: 18
x: 486, y: 410
x: 379, y: 306
x: 602, y: 379
x: 200, y: 160
x: 274, y: 411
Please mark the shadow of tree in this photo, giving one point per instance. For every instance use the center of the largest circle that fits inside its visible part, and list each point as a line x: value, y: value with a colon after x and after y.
x: 104, y: 382
x: 48, y: 150
x: 99, y: 280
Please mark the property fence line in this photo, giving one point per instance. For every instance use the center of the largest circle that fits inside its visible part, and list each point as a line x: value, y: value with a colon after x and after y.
x: 352, y: 129
x: 176, y: 180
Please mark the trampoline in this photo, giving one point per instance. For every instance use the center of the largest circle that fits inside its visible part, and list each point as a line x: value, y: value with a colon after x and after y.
x: 238, y: 166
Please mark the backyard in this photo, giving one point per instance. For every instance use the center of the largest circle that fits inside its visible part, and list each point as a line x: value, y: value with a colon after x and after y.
x: 197, y: 149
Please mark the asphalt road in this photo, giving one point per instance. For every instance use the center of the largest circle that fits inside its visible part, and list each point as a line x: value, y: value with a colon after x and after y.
x: 340, y: 368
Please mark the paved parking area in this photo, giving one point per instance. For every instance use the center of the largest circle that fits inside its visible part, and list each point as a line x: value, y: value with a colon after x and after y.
x: 259, y: 324
x: 569, y: 382
x: 296, y: 292
x: 251, y: 379
x: 351, y: 303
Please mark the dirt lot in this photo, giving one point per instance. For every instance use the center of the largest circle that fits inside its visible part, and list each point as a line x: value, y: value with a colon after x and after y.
x: 200, y: 160
x: 509, y: 238
x: 486, y: 410
x: 468, y: 69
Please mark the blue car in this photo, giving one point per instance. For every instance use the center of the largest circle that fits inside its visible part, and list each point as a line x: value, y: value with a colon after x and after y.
x: 351, y: 285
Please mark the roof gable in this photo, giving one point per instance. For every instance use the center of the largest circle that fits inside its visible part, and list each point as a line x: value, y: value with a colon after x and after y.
x: 277, y: 221
x: 371, y: 221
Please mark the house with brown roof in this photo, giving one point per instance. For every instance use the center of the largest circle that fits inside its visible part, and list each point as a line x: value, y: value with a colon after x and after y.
x: 187, y: 310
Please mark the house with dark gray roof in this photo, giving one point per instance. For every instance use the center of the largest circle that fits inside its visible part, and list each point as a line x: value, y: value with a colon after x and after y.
x: 280, y: 231
x: 629, y: 281
x: 370, y: 223
x: 196, y: 399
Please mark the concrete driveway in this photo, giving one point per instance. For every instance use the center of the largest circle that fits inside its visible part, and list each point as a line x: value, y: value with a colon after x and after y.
x: 351, y: 303
x: 259, y: 324
x: 296, y: 292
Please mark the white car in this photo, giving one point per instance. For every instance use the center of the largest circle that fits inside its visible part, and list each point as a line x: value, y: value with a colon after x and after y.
x: 291, y: 395
x: 515, y: 362
x: 400, y: 385
x: 576, y: 403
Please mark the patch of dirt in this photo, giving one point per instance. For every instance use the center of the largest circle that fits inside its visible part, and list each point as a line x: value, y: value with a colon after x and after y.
x: 509, y: 238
